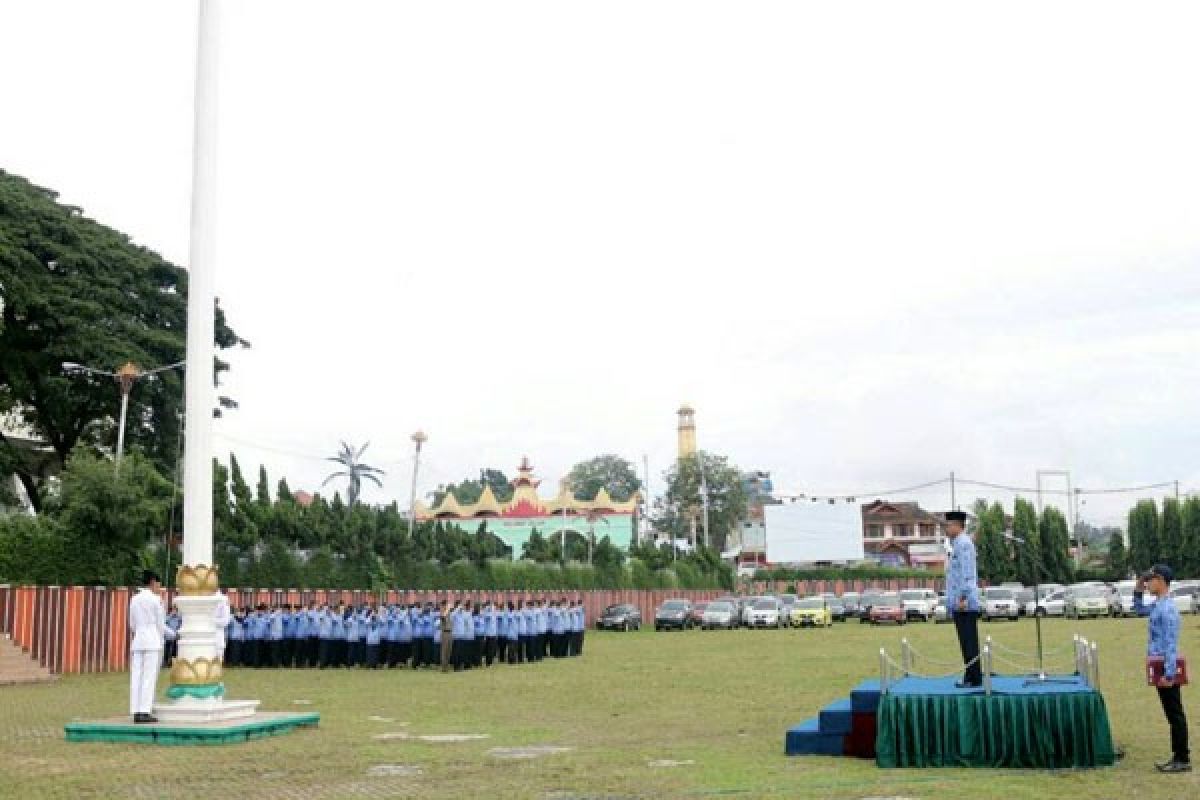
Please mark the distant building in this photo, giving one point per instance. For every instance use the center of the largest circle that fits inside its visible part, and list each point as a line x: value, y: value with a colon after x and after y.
x: 687, y: 431
x: 515, y: 520
x: 750, y: 539
x: 903, y: 535
x: 303, y: 499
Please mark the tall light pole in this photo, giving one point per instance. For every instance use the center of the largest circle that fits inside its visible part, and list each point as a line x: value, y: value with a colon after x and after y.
x: 419, y: 438
x: 126, y: 376
x: 703, y: 498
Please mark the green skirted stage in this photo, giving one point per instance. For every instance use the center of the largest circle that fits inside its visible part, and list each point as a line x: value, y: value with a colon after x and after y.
x: 1023, y: 723
x: 929, y: 722
x: 122, y: 729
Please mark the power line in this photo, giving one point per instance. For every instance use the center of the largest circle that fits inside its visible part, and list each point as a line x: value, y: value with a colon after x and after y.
x: 856, y: 495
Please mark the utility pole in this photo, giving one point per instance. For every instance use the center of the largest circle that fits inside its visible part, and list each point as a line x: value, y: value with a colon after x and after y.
x: 645, y: 489
x: 704, y: 499
x: 953, y: 494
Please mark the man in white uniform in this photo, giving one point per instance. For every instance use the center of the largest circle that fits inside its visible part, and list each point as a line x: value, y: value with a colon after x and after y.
x: 147, y: 622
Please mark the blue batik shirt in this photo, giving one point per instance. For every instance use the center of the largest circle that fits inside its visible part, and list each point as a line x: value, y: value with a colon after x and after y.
x: 962, y: 579
x: 1164, y: 631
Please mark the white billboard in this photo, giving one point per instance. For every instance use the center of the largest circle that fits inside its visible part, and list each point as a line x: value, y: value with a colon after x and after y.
x: 807, y: 531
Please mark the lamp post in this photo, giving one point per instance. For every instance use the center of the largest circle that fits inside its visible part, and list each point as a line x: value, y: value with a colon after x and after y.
x: 126, y: 376
x: 419, y: 438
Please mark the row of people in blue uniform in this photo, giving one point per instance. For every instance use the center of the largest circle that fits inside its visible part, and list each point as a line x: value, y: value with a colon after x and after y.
x: 479, y: 634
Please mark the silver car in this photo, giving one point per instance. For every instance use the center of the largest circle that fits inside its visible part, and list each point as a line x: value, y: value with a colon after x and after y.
x: 719, y: 614
x: 999, y: 603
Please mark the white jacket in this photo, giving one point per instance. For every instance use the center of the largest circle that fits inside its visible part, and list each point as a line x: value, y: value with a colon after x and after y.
x: 147, y: 621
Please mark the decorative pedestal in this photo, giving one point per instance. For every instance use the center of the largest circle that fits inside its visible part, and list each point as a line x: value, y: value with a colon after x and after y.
x: 204, y: 709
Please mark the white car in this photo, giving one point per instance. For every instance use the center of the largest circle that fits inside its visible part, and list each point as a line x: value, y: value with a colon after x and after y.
x: 1086, y: 601
x: 999, y: 602
x: 1052, y: 604
x: 719, y: 614
x: 940, y: 614
x: 1185, y: 599
x: 764, y: 613
x: 919, y: 603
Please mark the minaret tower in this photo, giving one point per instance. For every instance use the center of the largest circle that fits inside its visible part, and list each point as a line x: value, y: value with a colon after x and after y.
x: 687, y: 431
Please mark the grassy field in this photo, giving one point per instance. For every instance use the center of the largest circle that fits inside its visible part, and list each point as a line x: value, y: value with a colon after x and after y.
x: 720, y: 700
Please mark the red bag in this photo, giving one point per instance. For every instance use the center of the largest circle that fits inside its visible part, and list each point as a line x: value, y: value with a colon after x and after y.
x: 1154, y: 670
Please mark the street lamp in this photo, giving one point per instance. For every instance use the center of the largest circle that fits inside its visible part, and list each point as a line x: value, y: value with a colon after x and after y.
x: 419, y: 438
x: 126, y: 376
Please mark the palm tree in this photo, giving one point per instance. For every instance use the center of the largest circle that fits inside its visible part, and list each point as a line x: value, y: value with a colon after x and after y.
x: 354, y: 470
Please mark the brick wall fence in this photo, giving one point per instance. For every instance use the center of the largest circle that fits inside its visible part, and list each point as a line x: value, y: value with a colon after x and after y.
x: 72, y: 629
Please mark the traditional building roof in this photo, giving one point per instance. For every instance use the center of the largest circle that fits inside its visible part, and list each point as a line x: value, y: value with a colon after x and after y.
x: 526, y: 503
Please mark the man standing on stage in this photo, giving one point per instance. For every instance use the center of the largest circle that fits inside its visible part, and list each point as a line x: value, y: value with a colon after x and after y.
x: 962, y: 596
x: 1164, y: 644
x: 148, y: 624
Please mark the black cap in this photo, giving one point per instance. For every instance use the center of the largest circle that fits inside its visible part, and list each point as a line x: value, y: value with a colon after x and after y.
x: 149, y: 576
x: 1158, y: 571
x: 956, y: 516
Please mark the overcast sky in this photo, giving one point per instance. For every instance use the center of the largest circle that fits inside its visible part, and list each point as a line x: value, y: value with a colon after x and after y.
x: 871, y: 243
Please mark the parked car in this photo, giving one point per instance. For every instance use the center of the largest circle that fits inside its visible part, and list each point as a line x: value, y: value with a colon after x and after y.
x: 998, y: 602
x: 919, y: 603
x: 696, y: 615
x: 621, y: 617
x: 837, y: 609
x: 869, y: 598
x: 940, y: 614
x: 852, y: 601
x: 735, y: 604
x: 719, y: 614
x: 748, y: 606
x: 887, y: 607
x: 1024, y: 598
x: 764, y: 613
x: 1125, y: 593
x: 811, y: 612
x: 1185, y: 599
x: 1086, y: 601
x: 673, y: 614
x: 1047, y: 600
x: 786, y: 601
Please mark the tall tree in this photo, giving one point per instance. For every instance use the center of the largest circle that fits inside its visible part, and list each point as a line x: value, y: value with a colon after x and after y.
x: 1056, y: 547
x: 1190, y: 549
x: 1028, y: 551
x: 1170, y: 533
x: 616, y: 475
x: 1144, y: 550
x: 684, y: 506
x: 1117, y: 557
x: 354, y: 470
x: 262, y: 492
x: 73, y: 290
x: 993, y: 558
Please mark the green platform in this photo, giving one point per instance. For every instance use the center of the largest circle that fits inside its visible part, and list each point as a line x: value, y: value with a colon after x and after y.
x: 124, y: 730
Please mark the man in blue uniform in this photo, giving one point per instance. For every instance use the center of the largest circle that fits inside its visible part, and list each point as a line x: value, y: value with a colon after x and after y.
x: 962, y: 597
x: 325, y: 638
x: 580, y: 617
x: 512, y: 629
x: 491, y: 631
x: 1164, y: 643
x: 372, y: 638
x: 274, y: 638
x: 171, y: 647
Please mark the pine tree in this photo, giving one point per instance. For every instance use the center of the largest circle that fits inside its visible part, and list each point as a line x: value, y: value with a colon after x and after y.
x: 992, y: 553
x: 1170, y: 533
x: 1028, y: 552
x: 1056, y: 555
x: 1143, y: 535
x: 1189, y: 562
x: 262, y: 492
x: 1117, y: 560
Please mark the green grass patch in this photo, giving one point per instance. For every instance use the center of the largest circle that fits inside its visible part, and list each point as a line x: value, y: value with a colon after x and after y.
x: 719, y: 699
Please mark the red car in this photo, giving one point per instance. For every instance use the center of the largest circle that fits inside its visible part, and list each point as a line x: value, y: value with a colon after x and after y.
x: 888, y: 607
x: 696, y: 615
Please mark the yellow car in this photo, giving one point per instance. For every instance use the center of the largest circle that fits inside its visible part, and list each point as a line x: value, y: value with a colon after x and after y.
x: 811, y: 612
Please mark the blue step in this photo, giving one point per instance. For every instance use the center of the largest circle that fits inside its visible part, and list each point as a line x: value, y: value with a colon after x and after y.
x: 806, y: 739
x: 837, y: 717
x: 864, y: 698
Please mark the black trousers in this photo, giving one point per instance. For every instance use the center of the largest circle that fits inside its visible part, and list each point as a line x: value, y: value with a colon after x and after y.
x: 276, y: 650
x: 966, y: 625
x: 489, y: 649
x: 314, y: 646
x: 1172, y: 706
x: 324, y: 653
x: 371, y: 656
x: 233, y: 653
